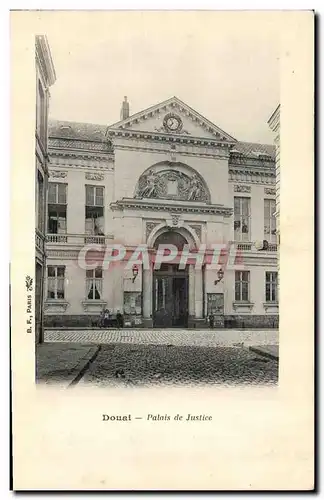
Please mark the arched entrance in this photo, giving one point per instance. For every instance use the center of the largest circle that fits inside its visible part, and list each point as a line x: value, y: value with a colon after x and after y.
x: 170, y: 288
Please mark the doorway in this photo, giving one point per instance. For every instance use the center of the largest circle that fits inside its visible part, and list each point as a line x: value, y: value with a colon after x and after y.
x: 170, y: 297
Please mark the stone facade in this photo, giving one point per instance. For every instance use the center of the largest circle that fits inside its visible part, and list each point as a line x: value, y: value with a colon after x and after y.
x: 45, y: 77
x: 166, y: 172
x: 274, y: 124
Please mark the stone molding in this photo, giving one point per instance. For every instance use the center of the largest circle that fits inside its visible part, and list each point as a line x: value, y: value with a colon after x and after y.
x: 93, y: 305
x: 160, y: 137
x: 159, y: 206
x: 56, y: 305
x: 243, y: 306
x: 78, y: 155
x: 44, y: 60
x: 252, y: 175
x: 217, y: 154
x: 149, y: 226
x: 197, y: 228
x: 273, y: 306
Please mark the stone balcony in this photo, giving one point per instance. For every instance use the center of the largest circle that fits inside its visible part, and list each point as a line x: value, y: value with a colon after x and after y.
x: 69, y: 239
x: 39, y: 241
x: 249, y: 246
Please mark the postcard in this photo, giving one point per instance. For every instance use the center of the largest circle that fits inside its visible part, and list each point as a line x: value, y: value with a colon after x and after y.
x: 162, y: 331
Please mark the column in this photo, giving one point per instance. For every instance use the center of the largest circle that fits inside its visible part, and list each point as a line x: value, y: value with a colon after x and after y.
x: 147, y: 293
x: 191, y: 290
x: 198, y: 293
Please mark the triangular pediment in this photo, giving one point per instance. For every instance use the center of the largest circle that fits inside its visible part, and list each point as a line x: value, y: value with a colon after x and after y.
x: 173, y: 117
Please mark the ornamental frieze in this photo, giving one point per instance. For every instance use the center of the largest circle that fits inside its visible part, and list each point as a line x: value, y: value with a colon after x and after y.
x: 90, y: 176
x: 58, y: 174
x: 168, y: 184
x: 242, y: 189
x: 270, y: 191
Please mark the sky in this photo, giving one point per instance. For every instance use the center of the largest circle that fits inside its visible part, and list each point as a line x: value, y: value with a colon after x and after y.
x: 225, y: 65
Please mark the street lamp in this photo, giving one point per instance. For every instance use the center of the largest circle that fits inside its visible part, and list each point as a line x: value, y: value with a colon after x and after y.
x: 135, y: 272
x: 220, y: 275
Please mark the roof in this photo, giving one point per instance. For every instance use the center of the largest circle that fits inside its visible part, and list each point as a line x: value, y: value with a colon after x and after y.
x: 254, y: 149
x: 93, y: 132
x: 75, y: 130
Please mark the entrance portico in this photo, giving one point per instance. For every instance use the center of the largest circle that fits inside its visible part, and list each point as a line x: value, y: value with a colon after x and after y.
x: 172, y: 294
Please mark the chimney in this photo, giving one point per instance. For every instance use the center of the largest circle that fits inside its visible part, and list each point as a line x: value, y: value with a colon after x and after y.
x: 124, y: 112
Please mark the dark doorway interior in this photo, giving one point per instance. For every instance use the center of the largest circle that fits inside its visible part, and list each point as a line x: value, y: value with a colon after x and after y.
x: 170, y: 297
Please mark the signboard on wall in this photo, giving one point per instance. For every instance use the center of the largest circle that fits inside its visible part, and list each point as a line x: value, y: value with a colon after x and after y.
x: 215, y: 303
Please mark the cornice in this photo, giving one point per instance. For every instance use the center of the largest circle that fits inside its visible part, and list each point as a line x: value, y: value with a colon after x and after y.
x: 217, y: 154
x: 167, y: 138
x: 80, y: 164
x: 162, y: 206
x: 274, y: 120
x: 44, y: 59
x: 79, y: 155
x: 250, y: 174
x: 68, y: 144
x: 236, y: 161
x: 62, y: 253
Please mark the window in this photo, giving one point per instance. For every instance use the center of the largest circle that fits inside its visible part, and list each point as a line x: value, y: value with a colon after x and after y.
x: 270, y: 229
x: 94, y: 196
x: 57, y: 193
x: 57, y: 208
x: 94, y: 283
x: 271, y: 287
x: 55, y: 282
x: 242, y: 286
x: 40, y: 202
x: 94, y: 210
x: 241, y: 218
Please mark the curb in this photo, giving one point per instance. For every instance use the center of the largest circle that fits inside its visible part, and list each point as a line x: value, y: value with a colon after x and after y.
x: 259, y: 351
x: 81, y: 371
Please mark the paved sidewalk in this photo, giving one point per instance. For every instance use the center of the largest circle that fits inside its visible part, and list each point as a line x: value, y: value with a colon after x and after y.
x: 175, y: 337
x: 269, y: 351
x: 61, y: 363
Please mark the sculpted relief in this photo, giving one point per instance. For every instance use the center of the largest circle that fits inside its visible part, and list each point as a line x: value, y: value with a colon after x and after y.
x: 169, y: 184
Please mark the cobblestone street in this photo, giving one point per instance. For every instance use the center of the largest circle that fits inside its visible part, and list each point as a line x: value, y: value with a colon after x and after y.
x: 128, y: 358
x: 122, y: 365
x: 176, y: 337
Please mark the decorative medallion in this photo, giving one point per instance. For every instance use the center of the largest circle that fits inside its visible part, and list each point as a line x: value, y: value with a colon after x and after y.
x: 169, y: 184
x: 94, y: 176
x: 58, y: 174
x: 175, y: 220
x: 172, y: 122
x: 242, y: 189
x: 270, y: 191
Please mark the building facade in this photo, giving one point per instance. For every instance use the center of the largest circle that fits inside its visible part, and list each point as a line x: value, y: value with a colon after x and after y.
x: 166, y: 175
x: 274, y: 124
x: 45, y: 77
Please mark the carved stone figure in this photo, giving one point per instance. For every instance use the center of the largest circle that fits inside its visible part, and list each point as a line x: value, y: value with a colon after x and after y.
x: 149, y: 189
x: 171, y: 184
x: 194, y: 189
